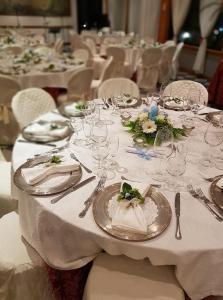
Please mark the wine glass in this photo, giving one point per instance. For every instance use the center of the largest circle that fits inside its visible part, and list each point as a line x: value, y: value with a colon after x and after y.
x: 176, y: 167
x: 77, y: 137
x: 113, y: 151
x: 163, y: 148
x: 114, y: 101
x: 99, y: 152
x: 194, y: 99
x: 213, y: 137
x: 99, y: 132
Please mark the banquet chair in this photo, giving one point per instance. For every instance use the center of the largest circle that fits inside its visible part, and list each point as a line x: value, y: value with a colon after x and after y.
x: 22, y: 271
x: 78, y: 86
x: 58, y: 46
x: 8, y: 125
x: 29, y: 104
x: 165, y: 66
x: 117, y: 86
x: 122, y: 278
x: 175, y: 60
x: 75, y: 40
x: 92, y: 45
x: 121, y: 67
x: 81, y: 54
x: 105, y: 74
x: 180, y: 89
x: 7, y: 204
x: 148, y: 70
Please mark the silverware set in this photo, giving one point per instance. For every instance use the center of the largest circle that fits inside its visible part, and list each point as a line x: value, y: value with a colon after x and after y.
x: 212, y: 207
x: 90, y: 199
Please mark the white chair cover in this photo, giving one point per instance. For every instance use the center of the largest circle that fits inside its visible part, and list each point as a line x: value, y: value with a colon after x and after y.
x: 122, y: 278
x: 75, y: 40
x: 180, y: 89
x: 30, y: 103
x: 58, y: 46
x: 166, y: 63
x: 121, y: 67
x: 78, y: 86
x: 175, y: 61
x: 117, y: 53
x: 22, y: 271
x: 91, y: 44
x: 148, y: 71
x: 81, y: 54
x: 118, y: 86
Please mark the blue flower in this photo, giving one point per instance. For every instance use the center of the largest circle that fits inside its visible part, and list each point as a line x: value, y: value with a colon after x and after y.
x: 153, y: 112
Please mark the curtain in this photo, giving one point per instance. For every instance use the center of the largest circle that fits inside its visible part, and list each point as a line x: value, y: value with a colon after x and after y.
x: 179, y: 12
x: 209, y: 11
x: 117, y: 14
x: 144, y: 17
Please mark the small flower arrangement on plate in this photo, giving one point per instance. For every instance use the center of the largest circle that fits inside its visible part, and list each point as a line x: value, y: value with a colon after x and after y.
x: 148, y: 122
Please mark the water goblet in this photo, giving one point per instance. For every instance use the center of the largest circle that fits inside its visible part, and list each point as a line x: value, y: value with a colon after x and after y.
x: 99, y: 152
x: 99, y: 132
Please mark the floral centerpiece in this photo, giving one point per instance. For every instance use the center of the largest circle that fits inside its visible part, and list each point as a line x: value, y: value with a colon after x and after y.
x: 148, y: 122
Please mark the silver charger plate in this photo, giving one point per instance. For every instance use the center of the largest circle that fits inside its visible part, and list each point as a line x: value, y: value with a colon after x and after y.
x: 135, y: 102
x: 47, y: 138
x: 41, y: 188
x: 216, y: 193
x: 62, y: 110
x: 211, y: 117
x: 102, y: 219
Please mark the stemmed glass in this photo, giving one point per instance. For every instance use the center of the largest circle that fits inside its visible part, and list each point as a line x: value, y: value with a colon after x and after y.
x: 194, y: 99
x: 77, y: 137
x: 99, y: 132
x: 176, y: 166
x: 113, y: 151
x: 163, y: 148
x: 213, y: 137
x: 99, y: 152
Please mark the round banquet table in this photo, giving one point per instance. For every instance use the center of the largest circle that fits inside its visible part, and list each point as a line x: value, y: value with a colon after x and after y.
x: 38, y: 78
x: 66, y: 241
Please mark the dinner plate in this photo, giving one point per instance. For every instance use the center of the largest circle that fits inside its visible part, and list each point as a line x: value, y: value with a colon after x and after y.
x: 216, y: 193
x: 53, y: 184
x: 44, y: 138
x: 132, y: 102
x: 102, y: 219
x: 213, y: 117
x: 169, y: 105
x: 69, y: 114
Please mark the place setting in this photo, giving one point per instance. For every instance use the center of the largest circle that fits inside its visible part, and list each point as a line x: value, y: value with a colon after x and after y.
x: 76, y: 109
x: 46, y: 131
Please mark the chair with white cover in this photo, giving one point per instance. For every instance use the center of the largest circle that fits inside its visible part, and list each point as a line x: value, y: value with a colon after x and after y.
x: 22, y: 271
x: 8, y: 125
x: 118, y: 86
x: 75, y: 40
x: 30, y: 103
x: 58, y: 46
x: 122, y: 278
x: 175, y: 61
x: 105, y: 74
x: 121, y: 67
x: 148, y: 70
x: 78, y: 86
x: 181, y: 88
x: 81, y: 54
x: 7, y: 204
x: 90, y: 41
x: 165, y: 66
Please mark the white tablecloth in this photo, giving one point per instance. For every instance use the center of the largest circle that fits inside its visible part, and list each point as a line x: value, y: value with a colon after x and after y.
x: 65, y: 241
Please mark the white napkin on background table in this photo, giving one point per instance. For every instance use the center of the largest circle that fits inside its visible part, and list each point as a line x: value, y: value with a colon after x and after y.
x: 39, y: 172
x: 45, y: 129
x: 71, y: 110
x: 129, y: 217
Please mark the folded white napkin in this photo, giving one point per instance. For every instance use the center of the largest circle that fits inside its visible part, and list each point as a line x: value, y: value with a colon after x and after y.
x: 45, y: 129
x: 39, y: 172
x: 172, y: 103
x: 220, y: 183
x: 71, y: 110
x: 130, y: 217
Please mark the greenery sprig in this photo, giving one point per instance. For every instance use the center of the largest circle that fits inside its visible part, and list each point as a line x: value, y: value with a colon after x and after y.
x: 129, y: 193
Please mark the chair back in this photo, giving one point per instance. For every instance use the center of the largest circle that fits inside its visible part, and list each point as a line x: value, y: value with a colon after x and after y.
x: 79, y: 84
x: 151, y: 57
x: 81, y: 54
x: 166, y: 63
x: 117, y: 86
x: 117, y: 53
x: 92, y: 45
x: 181, y: 88
x: 175, y: 60
x: 30, y: 103
x: 107, y: 70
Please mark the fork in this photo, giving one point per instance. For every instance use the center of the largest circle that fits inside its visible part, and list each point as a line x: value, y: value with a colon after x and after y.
x: 72, y: 155
x: 205, y: 202
x: 202, y: 196
x: 90, y: 199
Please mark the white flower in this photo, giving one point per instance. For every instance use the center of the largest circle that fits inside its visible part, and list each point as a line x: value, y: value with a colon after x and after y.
x: 143, y: 116
x: 149, y: 126
x: 160, y: 118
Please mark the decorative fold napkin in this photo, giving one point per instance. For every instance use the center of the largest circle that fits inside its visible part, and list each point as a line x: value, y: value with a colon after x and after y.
x: 219, y: 183
x: 72, y: 110
x: 130, y: 217
x: 172, y: 103
x: 46, y: 129
x: 39, y: 172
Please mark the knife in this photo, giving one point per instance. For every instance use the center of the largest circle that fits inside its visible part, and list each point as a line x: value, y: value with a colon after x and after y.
x: 72, y: 189
x: 178, y: 235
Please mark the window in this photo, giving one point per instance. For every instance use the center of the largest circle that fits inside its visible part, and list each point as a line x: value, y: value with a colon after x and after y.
x: 190, y: 32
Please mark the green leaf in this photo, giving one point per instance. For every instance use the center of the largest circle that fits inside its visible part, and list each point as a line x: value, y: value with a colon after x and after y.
x: 126, y: 188
x: 55, y: 159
